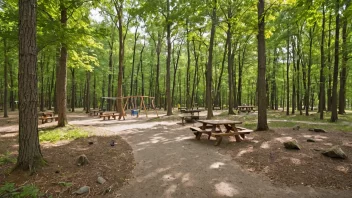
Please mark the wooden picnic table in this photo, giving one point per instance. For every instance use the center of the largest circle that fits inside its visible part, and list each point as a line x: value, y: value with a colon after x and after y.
x: 95, y: 112
x: 191, y: 117
x: 213, y: 129
x: 47, y: 114
x: 191, y: 111
x: 245, y: 108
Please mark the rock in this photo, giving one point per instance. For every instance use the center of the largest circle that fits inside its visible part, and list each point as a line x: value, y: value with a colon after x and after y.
x: 335, y: 152
x: 82, y: 190
x: 320, y: 130
x: 101, y: 180
x: 317, y: 130
x: 82, y: 160
x: 296, y: 128
x: 292, y: 144
x: 310, y: 140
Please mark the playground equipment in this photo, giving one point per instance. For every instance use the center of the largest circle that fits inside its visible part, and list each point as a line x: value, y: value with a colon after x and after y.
x: 135, y: 110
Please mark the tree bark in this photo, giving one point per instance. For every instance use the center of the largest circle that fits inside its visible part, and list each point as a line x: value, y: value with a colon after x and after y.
x: 230, y: 62
x: 73, y: 91
x: 29, y: 153
x: 209, y: 69
x: 322, y: 66
x: 6, y: 58
x: 334, y: 116
x: 62, y: 75
x: 329, y: 92
x: 343, y: 74
x: 262, y: 114
x: 168, y: 61
x: 119, y: 100
x: 287, y: 76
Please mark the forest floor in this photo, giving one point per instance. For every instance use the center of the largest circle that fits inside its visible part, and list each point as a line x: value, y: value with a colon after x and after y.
x: 167, y: 161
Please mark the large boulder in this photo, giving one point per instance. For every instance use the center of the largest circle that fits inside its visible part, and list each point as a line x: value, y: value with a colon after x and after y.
x: 292, y: 144
x: 335, y: 152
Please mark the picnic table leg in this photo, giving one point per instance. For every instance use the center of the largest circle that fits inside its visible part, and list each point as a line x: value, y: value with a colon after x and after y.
x: 198, y: 135
x: 238, y: 139
x: 243, y: 136
x: 218, y: 140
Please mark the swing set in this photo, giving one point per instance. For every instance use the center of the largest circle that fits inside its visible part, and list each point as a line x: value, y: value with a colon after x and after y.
x: 133, y: 101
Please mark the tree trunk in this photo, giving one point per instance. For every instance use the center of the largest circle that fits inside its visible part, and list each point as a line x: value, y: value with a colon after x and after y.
x: 12, y: 94
x: 62, y: 76
x: 188, y: 72
x: 209, y: 69
x: 133, y: 60
x: 88, y: 92
x: 334, y: 115
x: 52, y: 86
x: 73, y: 90
x: 175, y: 71
x: 262, y: 114
x: 168, y: 61
x: 287, y: 76
x: 293, y: 77
x: 29, y: 153
x: 322, y: 66
x: 42, y: 60
x: 329, y: 94
x: 6, y: 58
x: 95, y: 91
x: 141, y: 63
x: 343, y: 74
x: 230, y: 60
x: 196, y: 66
x: 121, y: 57
x: 218, y: 87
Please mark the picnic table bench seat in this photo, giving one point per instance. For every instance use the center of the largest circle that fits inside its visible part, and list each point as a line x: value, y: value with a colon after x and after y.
x: 108, y: 116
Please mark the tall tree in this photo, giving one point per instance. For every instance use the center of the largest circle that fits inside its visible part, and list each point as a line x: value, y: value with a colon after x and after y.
x: 334, y: 116
x: 119, y: 10
x: 262, y: 124
x: 168, y: 60
x: 343, y: 74
x: 322, y: 74
x: 61, y: 80
x: 209, y: 69
x: 29, y: 153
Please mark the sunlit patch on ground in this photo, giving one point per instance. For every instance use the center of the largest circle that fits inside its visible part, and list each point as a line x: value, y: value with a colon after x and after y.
x: 216, y: 165
x: 225, y: 189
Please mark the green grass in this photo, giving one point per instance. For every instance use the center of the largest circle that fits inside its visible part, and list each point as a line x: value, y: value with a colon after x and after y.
x: 67, y: 133
x: 10, y: 190
x: 7, y: 158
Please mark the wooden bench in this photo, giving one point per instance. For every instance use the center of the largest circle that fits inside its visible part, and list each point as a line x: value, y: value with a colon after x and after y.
x: 45, y: 119
x: 198, y: 131
x: 241, y: 133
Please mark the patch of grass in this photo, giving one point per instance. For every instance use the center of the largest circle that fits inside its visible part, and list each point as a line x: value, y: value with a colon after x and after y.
x: 67, y: 133
x: 7, y: 159
x: 9, y: 190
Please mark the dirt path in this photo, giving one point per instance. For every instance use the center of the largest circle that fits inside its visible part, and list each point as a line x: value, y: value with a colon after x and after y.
x: 171, y: 163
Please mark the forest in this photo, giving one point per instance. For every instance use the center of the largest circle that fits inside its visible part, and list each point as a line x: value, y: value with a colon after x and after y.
x: 177, y: 50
